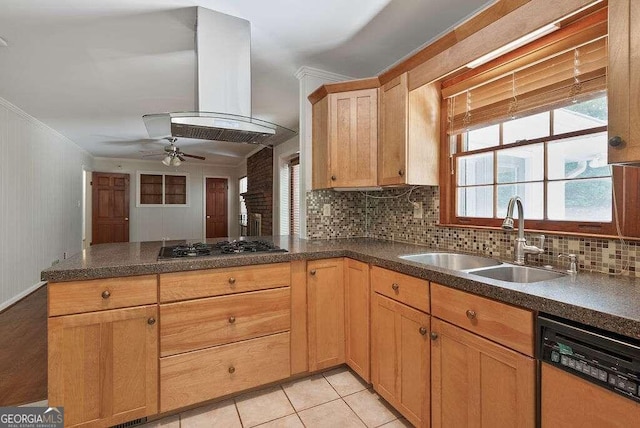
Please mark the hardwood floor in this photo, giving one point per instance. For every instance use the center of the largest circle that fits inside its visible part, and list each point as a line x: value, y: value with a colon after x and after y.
x: 23, y: 350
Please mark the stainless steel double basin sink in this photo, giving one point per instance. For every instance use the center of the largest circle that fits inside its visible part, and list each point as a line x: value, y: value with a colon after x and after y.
x: 484, y: 267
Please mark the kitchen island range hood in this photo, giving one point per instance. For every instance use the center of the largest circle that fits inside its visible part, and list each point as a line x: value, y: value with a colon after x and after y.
x: 223, y: 89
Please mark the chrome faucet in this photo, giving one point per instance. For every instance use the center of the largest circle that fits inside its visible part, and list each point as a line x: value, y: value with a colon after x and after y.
x: 521, y: 246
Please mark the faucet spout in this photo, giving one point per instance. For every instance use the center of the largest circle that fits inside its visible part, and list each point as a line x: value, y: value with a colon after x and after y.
x: 521, y: 247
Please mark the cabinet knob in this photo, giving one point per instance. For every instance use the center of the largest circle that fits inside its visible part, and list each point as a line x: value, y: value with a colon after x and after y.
x: 232, y: 319
x: 471, y: 314
x: 434, y: 335
x: 422, y: 331
x: 232, y: 280
x: 395, y: 286
x: 312, y: 272
x: 615, y: 141
x: 400, y: 172
x: 334, y: 178
x: 106, y: 294
x: 232, y: 370
x: 151, y: 321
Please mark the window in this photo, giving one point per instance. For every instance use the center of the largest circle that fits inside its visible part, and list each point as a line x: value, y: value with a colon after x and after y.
x: 534, y: 124
x: 242, y: 189
x: 294, y: 196
x: 158, y: 189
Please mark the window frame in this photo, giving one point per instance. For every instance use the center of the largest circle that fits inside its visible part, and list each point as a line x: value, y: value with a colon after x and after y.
x: 187, y: 203
x: 294, y: 161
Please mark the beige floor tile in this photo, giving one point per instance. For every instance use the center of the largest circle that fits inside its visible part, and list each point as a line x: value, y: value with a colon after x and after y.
x: 309, y: 392
x: 344, y: 381
x: 291, y: 421
x: 263, y: 406
x: 223, y: 415
x: 398, y: 423
x: 168, y: 422
x: 330, y: 415
x: 371, y: 408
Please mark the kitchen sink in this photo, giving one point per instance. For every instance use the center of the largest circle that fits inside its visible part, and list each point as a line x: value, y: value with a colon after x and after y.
x: 452, y: 261
x: 520, y: 274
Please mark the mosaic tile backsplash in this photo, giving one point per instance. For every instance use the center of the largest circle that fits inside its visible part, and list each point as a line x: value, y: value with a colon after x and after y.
x: 388, y: 215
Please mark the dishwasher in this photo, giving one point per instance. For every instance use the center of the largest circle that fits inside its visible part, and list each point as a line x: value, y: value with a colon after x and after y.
x: 588, y: 377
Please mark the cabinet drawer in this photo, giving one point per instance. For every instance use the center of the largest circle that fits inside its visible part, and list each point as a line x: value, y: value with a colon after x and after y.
x: 194, y: 377
x: 216, y: 282
x: 101, y: 294
x: 500, y: 322
x: 197, y: 324
x: 403, y: 288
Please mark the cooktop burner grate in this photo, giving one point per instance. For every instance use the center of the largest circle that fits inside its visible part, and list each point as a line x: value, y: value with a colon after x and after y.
x: 218, y: 248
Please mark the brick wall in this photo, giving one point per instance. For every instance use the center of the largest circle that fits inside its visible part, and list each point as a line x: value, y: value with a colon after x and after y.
x: 259, y: 196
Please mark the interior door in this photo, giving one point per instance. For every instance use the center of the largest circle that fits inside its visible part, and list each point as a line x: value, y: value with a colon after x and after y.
x: 110, y: 208
x: 216, y: 215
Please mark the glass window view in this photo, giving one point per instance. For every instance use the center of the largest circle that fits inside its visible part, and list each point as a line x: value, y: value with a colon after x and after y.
x: 556, y: 161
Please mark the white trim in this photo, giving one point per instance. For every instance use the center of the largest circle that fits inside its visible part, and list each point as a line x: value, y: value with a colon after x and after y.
x: 39, y: 123
x: 22, y: 295
x: 163, y: 205
x: 305, y: 71
x: 204, y: 204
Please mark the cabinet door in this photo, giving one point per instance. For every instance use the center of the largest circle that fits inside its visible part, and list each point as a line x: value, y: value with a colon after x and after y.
x: 476, y: 382
x: 103, y: 366
x: 393, y: 131
x: 325, y: 303
x: 623, y: 87
x: 400, y: 361
x: 356, y: 288
x: 353, y: 136
x: 320, y: 145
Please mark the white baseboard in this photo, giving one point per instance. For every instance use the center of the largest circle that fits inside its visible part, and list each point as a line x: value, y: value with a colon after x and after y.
x: 25, y: 293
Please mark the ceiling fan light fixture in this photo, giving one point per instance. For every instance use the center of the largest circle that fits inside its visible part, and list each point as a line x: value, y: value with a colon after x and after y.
x: 175, y: 161
x: 167, y: 160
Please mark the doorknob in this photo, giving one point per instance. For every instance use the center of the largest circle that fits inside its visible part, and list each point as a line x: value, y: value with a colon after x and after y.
x: 208, y: 216
x: 126, y: 219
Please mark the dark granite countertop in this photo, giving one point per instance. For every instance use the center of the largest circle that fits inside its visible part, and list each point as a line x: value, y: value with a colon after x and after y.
x: 604, y: 301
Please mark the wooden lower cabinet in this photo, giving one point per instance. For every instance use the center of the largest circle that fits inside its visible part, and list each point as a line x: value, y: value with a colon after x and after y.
x: 357, y: 319
x: 198, y: 376
x: 325, y: 304
x: 400, y: 358
x: 476, y: 382
x: 103, y: 366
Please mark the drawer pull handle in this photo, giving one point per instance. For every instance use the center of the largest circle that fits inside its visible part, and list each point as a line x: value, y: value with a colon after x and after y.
x: 334, y: 178
x: 232, y: 280
x: 312, y: 271
x: 151, y: 321
x: 106, y: 294
x: 395, y: 286
x: 471, y: 314
x: 232, y: 319
x: 434, y: 335
x: 400, y: 172
x: 422, y: 331
x: 232, y: 370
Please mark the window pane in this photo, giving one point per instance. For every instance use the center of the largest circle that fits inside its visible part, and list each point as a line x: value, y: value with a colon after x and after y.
x: 475, y: 201
x: 584, y: 115
x: 526, y: 128
x: 579, y: 157
x: 521, y: 164
x: 483, y: 137
x: 531, y: 195
x: 475, y: 169
x: 175, y: 189
x: 580, y: 200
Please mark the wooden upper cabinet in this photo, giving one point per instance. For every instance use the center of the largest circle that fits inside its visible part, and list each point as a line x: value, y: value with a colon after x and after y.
x: 409, y: 133
x: 476, y: 382
x: 623, y: 87
x: 103, y: 366
x: 325, y: 303
x: 357, y: 319
x: 345, y: 139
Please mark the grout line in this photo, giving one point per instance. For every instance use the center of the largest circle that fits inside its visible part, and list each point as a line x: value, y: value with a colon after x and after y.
x: 235, y: 405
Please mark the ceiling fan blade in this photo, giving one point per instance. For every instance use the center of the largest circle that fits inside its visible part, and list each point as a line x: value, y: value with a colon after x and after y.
x: 193, y: 156
x: 180, y: 157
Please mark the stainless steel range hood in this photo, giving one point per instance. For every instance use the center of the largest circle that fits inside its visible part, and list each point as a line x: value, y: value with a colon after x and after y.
x: 223, y: 93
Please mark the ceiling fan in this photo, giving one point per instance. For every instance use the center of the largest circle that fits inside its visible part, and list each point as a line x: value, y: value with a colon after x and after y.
x: 173, y: 156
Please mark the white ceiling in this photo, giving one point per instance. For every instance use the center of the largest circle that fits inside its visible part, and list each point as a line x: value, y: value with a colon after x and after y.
x: 91, y: 68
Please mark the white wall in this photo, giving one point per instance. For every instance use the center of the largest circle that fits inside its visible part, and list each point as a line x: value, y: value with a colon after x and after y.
x: 40, y: 197
x: 156, y: 223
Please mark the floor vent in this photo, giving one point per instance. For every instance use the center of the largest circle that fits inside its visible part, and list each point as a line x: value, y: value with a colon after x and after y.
x: 133, y: 423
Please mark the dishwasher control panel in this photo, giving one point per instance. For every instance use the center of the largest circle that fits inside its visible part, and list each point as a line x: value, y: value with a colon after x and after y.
x: 612, y: 361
